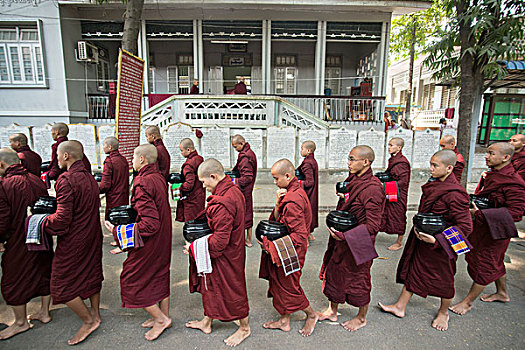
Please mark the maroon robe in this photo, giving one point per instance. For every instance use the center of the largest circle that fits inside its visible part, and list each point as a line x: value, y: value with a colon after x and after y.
x: 310, y: 185
x: 77, y: 265
x: 163, y: 158
x: 518, y: 161
x: 191, y: 207
x: 224, y: 295
x: 247, y: 168
x: 426, y: 269
x: 115, y: 180
x: 395, y: 215
x: 145, y: 276
x: 54, y: 171
x: 25, y: 274
x: 506, y: 189
x: 296, y: 214
x: 240, y: 89
x: 343, y: 280
x: 460, y: 164
x: 30, y: 160
x: 194, y: 90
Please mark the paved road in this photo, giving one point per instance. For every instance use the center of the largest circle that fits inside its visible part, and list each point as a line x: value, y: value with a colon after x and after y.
x: 488, y: 326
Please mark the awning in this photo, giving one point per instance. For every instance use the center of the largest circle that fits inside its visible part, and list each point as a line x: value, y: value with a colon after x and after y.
x: 515, y: 77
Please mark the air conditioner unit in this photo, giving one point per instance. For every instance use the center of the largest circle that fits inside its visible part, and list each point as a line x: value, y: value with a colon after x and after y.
x: 87, y: 52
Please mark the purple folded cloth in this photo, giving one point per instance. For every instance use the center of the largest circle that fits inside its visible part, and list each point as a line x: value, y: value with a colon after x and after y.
x: 360, y: 244
x: 500, y: 223
x: 45, y: 239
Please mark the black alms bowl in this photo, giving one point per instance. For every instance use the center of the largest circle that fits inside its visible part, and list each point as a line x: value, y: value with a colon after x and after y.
x: 176, y: 178
x: 341, y: 221
x: 340, y: 187
x: 271, y: 229
x: 122, y: 215
x: 384, y: 176
x: 299, y: 175
x: 481, y: 202
x: 98, y: 177
x: 429, y: 223
x: 234, y: 174
x: 195, y: 229
x: 45, y: 205
x: 45, y: 166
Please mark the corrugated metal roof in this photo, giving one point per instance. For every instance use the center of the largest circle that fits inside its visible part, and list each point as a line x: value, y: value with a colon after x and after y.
x: 513, y: 65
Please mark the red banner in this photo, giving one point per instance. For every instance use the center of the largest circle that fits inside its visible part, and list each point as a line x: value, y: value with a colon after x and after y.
x: 129, y: 103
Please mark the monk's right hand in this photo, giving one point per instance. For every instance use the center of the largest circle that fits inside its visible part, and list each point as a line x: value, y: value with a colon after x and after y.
x: 474, y: 208
x: 109, y: 226
x: 29, y: 212
x: 334, y: 234
x: 280, y: 194
x: 340, y: 195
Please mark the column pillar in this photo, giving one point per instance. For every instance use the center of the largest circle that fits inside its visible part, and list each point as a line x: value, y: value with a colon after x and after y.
x: 267, y: 56
x: 198, y: 56
x: 320, y: 57
x: 143, y: 51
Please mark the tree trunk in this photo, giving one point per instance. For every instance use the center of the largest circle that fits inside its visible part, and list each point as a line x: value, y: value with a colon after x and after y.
x: 469, y: 79
x: 132, y: 19
x: 411, y: 71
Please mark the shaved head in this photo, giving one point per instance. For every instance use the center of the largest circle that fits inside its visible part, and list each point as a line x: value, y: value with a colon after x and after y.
x: 211, y: 166
x: 398, y: 141
x: 73, y: 148
x: 518, y: 142
x: 61, y: 128
x: 187, y: 143
x: 504, y: 147
x: 19, y: 137
x: 520, y: 137
x: 8, y: 156
x: 153, y: 130
x: 447, y: 142
x: 446, y: 156
x: 365, y: 152
x: 284, y: 166
x: 149, y: 152
x: 310, y: 145
x: 112, y: 141
x: 238, y: 139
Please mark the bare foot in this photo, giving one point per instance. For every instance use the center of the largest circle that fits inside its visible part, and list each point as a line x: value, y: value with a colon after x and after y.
x: 113, y: 244
x: 489, y: 298
x: 395, y: 246
x: 279, y: 324
x: 206, y: 329
x: 248, y: 243
x: 393, y: 309
x: 461, y: 308
x: 328, y: 314
x: 2, y: 248
x: 309, y: 325
x: 40, y: 316
x: 354, y: 324
x: 311, y: 237
x: 185, y: 251
x: 441, y: 322
x: 157, y: 329
x: 115, y: 251
x: 238, y: 337
x: 14, y: 329
x: 148, y: 323
x: 96, y: 316
x: 85, y: 330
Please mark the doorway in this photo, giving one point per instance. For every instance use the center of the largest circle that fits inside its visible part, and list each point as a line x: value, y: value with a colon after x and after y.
x: 231, y: 76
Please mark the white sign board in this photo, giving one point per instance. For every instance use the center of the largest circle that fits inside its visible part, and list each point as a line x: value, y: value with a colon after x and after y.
x: 376, y: 140
x: 319, y: 138
x: 103, y: 132
x: 281, y: 144
x: 85, y: 133
x: 215, y: 143
x: 172, y: 138
x: 42, y: 141
x: 14, y: 128
x: 426, y: 143
x: 341, y: 141
x: 255, y: 138
x: 407, y: 136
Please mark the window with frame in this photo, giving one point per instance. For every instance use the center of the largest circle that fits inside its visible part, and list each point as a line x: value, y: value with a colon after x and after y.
x: 21, y: 59
x: 448, y: 97
x: 103, y: 75
x: 285, y: 74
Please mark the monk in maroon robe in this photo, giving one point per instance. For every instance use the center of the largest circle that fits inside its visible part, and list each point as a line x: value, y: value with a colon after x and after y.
x: 163, y: 158
x: 145, y: 276
x: 240, y: 88
x: 25, y: 274
x: 506, y: 190
x: 343, y: 279
x: 449, y: 142
x: 191, y: 189
x: 395, y: 215
x: 310, y: 169
x: 292, y: 208
x: 115, y: 176
x: 77, y: 265
x: 425, y: 268
x: 247, y: 167
x: 195, y: 87
x: 518, y: 159
x: 29, y: 159
x: 224, y: 295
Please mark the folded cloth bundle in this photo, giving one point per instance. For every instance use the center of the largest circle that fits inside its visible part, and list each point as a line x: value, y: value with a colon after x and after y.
x: 391, y: 190
x: 128, y: 237
x: 287, y: 255
x: 360, y: 244
x: 500, y: 223
x: 453, y: 242
x: 200, y: 252
x: 36, y: 238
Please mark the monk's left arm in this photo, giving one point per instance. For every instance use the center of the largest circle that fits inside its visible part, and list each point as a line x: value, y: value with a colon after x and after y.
x: 107, y: 173
x: 374, y: 206
x: 246, y: 171
x: 222, y: 229
x: 294, y: 219
x: 189, y: 178
x: 308, y: 172
x: 5, y: 214
x: 149, y: 223
x: 59, y: 222
x: 514, y: 201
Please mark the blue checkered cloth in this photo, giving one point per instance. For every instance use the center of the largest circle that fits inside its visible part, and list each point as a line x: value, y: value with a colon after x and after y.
x: 456, y: 240
x: 126, y: 236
